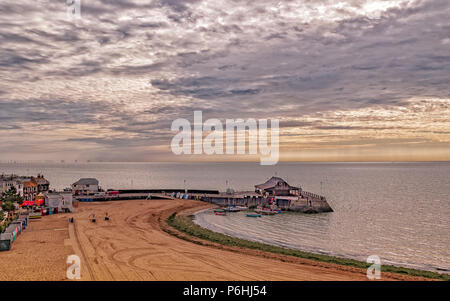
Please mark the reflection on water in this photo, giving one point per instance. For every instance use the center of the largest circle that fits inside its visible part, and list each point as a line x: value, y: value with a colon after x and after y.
x: 398, y: 211
x: 326, y: 234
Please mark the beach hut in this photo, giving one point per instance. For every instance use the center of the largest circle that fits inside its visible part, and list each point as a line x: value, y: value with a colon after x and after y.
x: 23, y: 222
x: 12, y: 231
x: 18, y: 225
x: 5, y: 242
x: 25, y: 218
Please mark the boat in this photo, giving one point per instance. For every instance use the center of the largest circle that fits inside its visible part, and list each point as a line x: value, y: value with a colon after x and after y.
x: 220, y: 212
x: 242, y: 208
x: 253, y: 215
x: 266, y: 211
x: 232, y: 209
x: 236, y: 208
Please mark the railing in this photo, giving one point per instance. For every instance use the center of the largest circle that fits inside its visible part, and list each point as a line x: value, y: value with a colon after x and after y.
x: 311, y: 195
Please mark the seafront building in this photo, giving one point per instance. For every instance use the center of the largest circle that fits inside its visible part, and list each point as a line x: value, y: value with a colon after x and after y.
x: 8, y: 181
x: 27, y: 187
x: 86, y: 186
x: 59, y: 201
x: 30, y: 190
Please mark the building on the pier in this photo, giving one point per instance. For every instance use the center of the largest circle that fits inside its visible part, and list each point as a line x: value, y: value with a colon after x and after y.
x: 277, y: 187
x: 86, y: 186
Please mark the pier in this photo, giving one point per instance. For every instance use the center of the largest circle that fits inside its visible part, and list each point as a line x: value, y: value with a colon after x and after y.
x: 306, y: 202
x: 275, y: 191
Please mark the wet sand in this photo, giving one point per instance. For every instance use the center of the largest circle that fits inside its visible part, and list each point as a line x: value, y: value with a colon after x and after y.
x: 134, y: 245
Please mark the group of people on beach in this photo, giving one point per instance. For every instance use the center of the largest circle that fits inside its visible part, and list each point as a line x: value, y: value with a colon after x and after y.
x: 92, y: 218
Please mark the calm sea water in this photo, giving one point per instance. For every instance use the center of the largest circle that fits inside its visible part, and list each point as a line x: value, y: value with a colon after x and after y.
x: 398, y: 211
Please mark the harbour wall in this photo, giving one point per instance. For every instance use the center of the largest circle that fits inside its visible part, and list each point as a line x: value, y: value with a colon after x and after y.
x: 305, y: 203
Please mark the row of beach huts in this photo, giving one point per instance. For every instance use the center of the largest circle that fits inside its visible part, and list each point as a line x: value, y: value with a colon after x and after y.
x: 14, y: 229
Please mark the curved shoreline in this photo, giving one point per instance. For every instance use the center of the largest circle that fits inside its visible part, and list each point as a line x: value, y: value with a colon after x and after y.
x: 137, y: 243
x: 210, y: 225
x: 183, y: 222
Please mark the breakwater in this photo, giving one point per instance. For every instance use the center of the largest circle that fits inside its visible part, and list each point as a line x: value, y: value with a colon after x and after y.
x: 305, y: 202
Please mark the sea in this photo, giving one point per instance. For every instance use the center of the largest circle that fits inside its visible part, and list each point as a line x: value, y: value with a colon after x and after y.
x: 398, y: 211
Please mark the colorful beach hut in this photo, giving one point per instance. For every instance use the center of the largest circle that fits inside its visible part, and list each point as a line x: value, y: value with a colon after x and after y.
x: 5, y: 242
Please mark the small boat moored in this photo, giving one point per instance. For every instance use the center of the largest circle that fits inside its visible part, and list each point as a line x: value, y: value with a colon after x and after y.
x: 236, y: 208
x: 253, y: 215
x: 220, y: 212
x: 266, y: 211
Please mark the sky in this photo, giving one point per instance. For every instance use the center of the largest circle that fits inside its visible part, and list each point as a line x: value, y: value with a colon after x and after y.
x: 352, y: 80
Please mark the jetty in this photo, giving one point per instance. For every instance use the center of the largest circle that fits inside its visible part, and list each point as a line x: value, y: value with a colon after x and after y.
x: 275, y: 191
x: 305, y: 202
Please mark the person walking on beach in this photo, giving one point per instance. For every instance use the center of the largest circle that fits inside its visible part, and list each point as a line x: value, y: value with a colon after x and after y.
x: 92, y: 217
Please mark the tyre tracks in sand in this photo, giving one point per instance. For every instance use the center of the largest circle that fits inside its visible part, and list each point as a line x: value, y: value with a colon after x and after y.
x: 134, y: 245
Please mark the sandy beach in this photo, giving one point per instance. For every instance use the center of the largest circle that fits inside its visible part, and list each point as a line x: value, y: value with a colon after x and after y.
x: 134, y: 246
x: 39, y: 253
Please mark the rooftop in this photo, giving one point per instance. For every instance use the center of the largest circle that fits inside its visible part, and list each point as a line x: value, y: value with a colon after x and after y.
x: 86, y: 181
x: 272, y: 182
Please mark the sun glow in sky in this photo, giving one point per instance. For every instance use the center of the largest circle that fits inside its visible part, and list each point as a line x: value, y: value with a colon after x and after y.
x: 354, y: 80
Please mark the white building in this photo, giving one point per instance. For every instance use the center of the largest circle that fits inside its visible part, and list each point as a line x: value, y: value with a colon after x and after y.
x: 85, y: 186
x: 63, y: 201
x: 8, y: 181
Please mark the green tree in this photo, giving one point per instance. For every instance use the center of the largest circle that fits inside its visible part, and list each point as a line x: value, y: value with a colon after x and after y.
x: 11, y: 196
x: 8, y: 206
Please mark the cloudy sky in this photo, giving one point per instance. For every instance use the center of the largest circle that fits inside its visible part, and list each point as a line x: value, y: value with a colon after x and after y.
x: 348, y: 79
